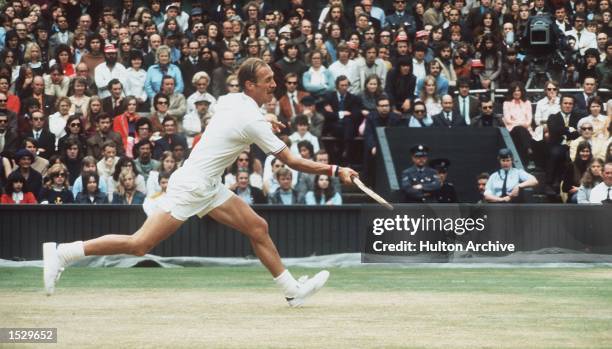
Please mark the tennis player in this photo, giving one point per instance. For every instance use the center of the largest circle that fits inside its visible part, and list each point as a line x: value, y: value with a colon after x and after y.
x: 196, y: 189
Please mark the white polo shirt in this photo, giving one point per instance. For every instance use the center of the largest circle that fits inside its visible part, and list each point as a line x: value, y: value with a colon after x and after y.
x: 237, y: 123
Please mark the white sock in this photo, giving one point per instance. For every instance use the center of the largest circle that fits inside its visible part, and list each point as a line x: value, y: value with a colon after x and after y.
x: 287, y: 283
x: 71, y: 252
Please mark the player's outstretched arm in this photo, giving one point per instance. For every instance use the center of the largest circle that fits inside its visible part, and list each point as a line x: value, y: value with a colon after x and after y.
x: 309, y: 166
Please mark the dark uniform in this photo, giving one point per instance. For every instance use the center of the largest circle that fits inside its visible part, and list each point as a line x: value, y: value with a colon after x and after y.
x: 426, y: 176
x: 447, y: 193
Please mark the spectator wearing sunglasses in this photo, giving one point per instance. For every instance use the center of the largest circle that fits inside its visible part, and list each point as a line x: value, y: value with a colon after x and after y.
x: 57, y: 192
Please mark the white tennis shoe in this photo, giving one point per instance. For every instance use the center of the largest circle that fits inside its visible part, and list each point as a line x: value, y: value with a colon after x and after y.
x: 53, y: 268
x: 308, y: 287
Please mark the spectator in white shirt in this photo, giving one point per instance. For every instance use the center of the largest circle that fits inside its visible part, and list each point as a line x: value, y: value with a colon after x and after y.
x: 602, y: 192
x: 135, y: 79
x: 109, y: 70
x: 549, y: 104
x: 345, y: 66
x: 200, y: 81
x: 302, y: 134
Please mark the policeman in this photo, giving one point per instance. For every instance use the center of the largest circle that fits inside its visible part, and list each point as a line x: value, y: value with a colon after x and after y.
x: 447, y: 193
x: 504, y: 184
x: 420, y: 182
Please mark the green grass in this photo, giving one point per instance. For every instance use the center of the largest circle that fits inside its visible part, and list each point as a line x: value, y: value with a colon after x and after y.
x: 372, y: 306
x: 574, y: 282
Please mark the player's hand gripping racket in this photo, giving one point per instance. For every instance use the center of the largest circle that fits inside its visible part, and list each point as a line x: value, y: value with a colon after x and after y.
x: 371, y: 193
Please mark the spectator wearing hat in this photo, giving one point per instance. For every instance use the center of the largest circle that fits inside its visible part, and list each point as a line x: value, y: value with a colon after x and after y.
x: 400, y: 85
x: 173, y: 11
x: 419, y: 182
x: 163, y: 68
x: 315, y: 119
x: 194, y: 121
x: 446, y: 194
x: 109, y: 70
x: 401, y: 17
x: 504, y: 185
x: 290, y: 103
x: 584, y: 38
x: 476, y: 68
x: 24, y: 159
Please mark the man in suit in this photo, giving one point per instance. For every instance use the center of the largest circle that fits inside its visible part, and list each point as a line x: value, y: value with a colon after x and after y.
x: 487, y: 118
x: 474, y: 17
x: 382, y: 117
x: 342, y: 114
x: 191, y: 65
x: 8, y: 137
x: 562, y: 128
x: 467, y: 106
x: 63, y: 36
x: 169, y: 138
x: 220, y: 74
x: 291, y: 102
x: 449, y: 117
x: 584, y: 38
x: 113, y: 104
x: 46, y: 102
x: 41, y: 134
x: 104, y: 133
x: 589, y: 86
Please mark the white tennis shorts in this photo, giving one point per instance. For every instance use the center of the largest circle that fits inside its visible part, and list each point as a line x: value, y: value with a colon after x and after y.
x: 187, y: 196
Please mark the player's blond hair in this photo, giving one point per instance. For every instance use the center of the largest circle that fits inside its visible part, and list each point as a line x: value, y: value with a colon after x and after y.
x: 248, y: 71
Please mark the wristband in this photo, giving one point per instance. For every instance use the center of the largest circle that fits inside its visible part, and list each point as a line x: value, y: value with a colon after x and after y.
x: 333, y: 171
x: 336, y: 171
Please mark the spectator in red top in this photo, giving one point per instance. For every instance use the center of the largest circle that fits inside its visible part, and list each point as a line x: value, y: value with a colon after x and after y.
x: 13, y: 102
x: 16, y: 191
x: 125, y: 123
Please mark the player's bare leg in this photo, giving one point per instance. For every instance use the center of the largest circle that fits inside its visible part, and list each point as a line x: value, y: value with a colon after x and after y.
x: 236, y: 214
x: 155, y: 229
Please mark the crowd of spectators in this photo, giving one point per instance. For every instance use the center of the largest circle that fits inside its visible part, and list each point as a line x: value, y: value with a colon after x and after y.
x: 100, y: 101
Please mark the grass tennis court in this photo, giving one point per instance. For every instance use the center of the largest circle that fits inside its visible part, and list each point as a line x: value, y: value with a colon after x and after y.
x: 366, y: 307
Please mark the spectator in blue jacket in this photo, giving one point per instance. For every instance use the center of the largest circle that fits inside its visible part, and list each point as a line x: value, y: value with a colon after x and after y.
x: 156, y: 72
